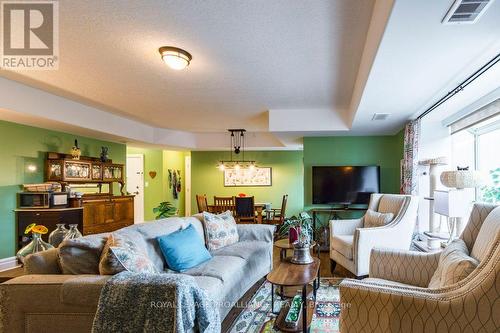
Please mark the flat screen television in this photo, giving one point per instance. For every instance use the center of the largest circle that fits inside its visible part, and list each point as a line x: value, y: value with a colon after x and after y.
x: 344, y: 184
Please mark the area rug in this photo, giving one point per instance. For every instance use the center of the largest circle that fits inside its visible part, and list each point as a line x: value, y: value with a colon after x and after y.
x: 258, y: 317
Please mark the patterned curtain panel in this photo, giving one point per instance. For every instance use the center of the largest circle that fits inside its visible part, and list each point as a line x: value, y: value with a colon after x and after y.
x: 409, y: 164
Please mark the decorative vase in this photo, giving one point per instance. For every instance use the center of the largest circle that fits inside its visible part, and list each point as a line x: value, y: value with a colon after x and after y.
x: 73, y: 232
x: 37, y: 244
x: 293, y: 235
x: 301, y: 254
x: 75, y: 151
x: 104, y: 154
x: 57, y: 236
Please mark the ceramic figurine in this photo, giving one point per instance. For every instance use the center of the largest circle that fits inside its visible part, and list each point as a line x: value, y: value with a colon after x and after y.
x: 104, y: 154
x: 75, y: 151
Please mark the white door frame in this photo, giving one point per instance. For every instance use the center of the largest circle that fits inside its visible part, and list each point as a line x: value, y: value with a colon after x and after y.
x: 141, y: 218
x: 187, y: 186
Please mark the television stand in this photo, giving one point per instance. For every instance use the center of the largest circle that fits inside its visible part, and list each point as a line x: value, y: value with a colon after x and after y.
x: 345, y: 205
x: 334, y: 214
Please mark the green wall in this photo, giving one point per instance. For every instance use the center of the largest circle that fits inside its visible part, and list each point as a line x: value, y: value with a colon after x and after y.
x: 287, y: 178
x: 21, y: 146
x: 385, y: 151
x: 175, y: 160
x: 153, y: 187
x: 157, y: 189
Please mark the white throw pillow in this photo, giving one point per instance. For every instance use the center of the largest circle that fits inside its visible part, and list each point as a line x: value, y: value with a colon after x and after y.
x: 455, y: 264
x: 374, y: 219
x: 220, y: 230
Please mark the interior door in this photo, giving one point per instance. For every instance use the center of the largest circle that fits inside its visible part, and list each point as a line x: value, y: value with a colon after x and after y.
x: 135, y: 184
x: 187, y: 186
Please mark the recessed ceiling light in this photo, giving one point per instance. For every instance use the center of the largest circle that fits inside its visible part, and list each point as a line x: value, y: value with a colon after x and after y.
x: 175, y: 57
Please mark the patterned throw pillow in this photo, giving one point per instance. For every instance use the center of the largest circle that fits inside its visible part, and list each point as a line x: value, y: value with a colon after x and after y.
x: 220, y: 230
x: 120, y: 254
x: 455, y: 264
x: 374, y: 219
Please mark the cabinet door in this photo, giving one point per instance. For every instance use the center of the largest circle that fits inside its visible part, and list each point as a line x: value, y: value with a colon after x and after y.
x: 109, y: 212
x: 48, y: 219
x: 92, y: 213
x: 54, y: 170
x: 124, y: 210
x: 96, y: 171
x: 77, y: 171
x: 112, y: 172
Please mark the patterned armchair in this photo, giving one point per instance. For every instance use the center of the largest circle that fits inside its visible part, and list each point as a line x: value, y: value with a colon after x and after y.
x: 351, y: 243
x: 396, y: 298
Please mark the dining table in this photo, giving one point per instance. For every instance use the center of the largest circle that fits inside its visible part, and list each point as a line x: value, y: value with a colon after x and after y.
x: 262, y: 209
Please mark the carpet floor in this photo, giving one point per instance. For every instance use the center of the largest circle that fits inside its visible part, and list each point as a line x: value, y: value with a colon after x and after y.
x: 258, y: 317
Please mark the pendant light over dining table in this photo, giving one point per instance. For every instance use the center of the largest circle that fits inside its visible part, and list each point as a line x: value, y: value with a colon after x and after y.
x: 175, y: 57
x: 237, y: 146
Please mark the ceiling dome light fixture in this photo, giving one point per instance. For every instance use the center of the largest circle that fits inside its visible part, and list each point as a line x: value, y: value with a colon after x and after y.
x: 175, y: 57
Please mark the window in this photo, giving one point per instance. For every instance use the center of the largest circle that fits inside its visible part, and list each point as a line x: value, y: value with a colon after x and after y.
x: 478, y: 147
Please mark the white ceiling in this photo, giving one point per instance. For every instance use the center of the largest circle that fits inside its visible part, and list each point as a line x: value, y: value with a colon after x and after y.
x: 281, y: 69
x: 419, y: 60
x: 248, y: 57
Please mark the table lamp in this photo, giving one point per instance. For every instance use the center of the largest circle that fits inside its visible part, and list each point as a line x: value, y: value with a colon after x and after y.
x: 454, y: 203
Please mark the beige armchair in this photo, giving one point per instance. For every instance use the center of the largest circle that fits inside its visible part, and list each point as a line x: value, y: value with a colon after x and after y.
x: 351, y: 243
x: 396, y: 298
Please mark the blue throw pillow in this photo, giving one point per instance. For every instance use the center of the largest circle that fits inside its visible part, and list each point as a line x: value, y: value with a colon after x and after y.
x: 183, y: 249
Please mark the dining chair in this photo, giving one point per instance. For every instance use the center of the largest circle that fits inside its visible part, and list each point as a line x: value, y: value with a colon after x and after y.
x: 277, y: 215
x: 222, y: 204
x: 201, y: 200
x: 244, y: 209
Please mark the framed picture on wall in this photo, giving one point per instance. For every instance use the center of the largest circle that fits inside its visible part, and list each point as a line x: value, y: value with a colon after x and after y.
x: 248, y: 177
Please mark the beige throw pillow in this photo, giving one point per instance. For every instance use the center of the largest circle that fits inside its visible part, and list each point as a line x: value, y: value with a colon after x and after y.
x: 81, y: 255
x: 374, y: 219
x: 120, y: 254
x: 486, y: 236
x: 455, y: 264
x: 220, y: 230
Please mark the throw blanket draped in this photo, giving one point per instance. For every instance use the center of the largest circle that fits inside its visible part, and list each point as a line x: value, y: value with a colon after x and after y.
x: 131, y: 302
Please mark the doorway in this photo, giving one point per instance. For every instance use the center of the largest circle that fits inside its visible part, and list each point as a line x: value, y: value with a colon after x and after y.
x: 135, y: 184
x: 187, y: 186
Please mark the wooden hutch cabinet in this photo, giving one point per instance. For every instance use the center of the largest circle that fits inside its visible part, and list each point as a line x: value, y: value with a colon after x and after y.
x: 102, y: 212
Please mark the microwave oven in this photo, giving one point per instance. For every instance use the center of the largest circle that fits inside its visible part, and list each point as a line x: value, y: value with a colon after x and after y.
x: 43, y: 200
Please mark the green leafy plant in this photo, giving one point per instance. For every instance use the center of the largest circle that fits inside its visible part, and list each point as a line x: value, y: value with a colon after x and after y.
x: 165, y: 209
x: 491, y: 193
x: 304, y: 220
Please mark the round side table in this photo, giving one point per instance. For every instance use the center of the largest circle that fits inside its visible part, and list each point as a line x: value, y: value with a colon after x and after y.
x: 284, y: 245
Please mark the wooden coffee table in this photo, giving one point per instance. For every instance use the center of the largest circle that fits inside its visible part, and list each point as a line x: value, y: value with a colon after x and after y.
x: 284, y: 245
x: 288, y: 274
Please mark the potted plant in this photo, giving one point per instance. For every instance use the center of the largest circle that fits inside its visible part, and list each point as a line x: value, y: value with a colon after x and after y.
x: 165, y: 209
x: 302, y: 223
x: 302, y: 227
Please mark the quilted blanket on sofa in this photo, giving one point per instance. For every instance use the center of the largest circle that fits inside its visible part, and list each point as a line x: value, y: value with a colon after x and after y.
x: 154, y: 303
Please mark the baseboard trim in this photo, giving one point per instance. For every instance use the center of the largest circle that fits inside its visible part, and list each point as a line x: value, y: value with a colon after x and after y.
x: 8, y: 263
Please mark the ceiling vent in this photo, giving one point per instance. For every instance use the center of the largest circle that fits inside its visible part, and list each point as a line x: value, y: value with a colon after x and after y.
x: 466, y: 11
x: 380, y: 116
